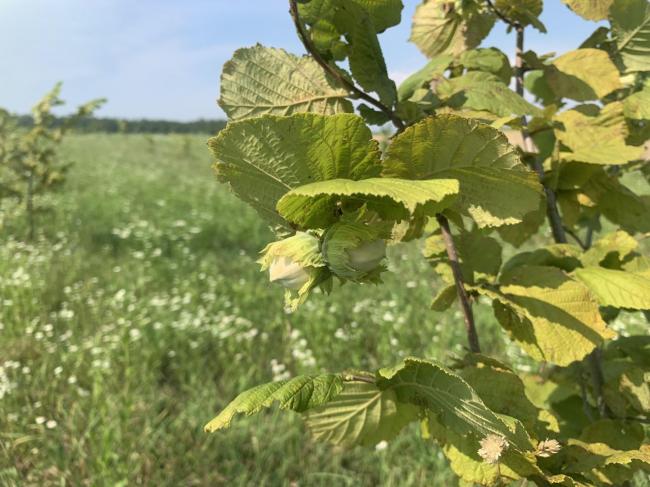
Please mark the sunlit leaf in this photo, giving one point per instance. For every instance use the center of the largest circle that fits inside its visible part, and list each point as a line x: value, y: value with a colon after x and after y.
x: 361, y: 414
x: 495, y: 187
x: 630, y: 21
x: 590, y: 9
x: 484, y: 91
x: 454, y: 403
x: 264, y: 158
x: 438, y: 28
x: 297, y: 394
x: 616, y: 288
x: 314, y: 205
x: 551, y: 316
x: 583, y: 74
x: 598, y: 139
x: 261, y: 80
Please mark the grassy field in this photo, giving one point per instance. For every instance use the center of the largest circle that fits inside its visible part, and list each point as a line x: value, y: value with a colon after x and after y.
x: 140, y: 311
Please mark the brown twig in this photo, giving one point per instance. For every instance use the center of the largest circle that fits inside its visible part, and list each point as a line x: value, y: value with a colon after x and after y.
x: 585, y: 402
x: 598, y: 381
x: 551, y: 201
x: 576, y: 237
x: 466, y: 306
x: 311, y: 49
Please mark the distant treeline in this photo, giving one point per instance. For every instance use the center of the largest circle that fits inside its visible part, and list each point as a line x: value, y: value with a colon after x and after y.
x: 144, y: 126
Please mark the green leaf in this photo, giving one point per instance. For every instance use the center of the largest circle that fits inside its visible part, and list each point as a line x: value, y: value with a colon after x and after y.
x: 488, y: 60
x: 480, y: 255
x: 495, y: 187
x: 518, y: 234
x: 499, y: 387
x: 298, y: 394
x: 462, y: 453
x: 484, y: 91
x: 610, y: 250
x: 314, y: 205
x: 595, y: 461
x: 637, y: 105
x: 590, y: 9
x: 444, y: 299
x: 525, y: 12
x: 583, y: 74
x: 383, y: 13
x: 627, y: 384
x: 372, y: 116
x: 329, y: 20
x: 596, y: 139
x: 438, y: 28
x: 562, y: 256
x: 636, y: 348
x: 264, y: 158
x: 630, y: 21
x: 433, y: 69
x: 361, y: 414
x: 552, y: 317
x: 261, y: 80
x: 616, y: 288
x: 455, y: 404
x: 536, y: 82
x: 365, y: 56
x: 618, y: 203
x: 615, y: 433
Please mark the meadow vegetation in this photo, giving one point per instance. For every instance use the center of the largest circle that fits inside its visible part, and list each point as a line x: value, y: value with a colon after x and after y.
x: 139, y: 311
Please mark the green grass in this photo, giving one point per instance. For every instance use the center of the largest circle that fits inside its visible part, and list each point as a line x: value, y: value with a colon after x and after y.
x: 140, y: 312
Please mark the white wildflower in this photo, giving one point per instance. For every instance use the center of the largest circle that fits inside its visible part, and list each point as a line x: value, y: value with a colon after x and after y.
x: 547, y: 448
x: 492, y: 447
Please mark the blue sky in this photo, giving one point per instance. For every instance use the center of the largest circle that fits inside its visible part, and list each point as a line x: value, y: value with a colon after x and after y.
x: 162, y: 58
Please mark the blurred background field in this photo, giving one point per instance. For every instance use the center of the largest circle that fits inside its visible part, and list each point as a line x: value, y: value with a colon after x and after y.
x: 139, y: 312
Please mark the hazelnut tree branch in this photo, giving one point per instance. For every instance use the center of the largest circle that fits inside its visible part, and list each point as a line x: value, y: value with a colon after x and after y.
x: 465, y: 304
x: 334, y: 72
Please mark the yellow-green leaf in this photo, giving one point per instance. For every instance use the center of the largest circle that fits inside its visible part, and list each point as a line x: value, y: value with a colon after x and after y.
x: 297, y: 394
x: 495, y: 187
x: 478, y: 90
x: 264, y: 158
x: 583, y: 74
x: 616, y: 288
x: 596, y: 139
x: 361, y: 414
x: 314, y: 205
x: 590, y: 9
x: 262, y: 80
x: 438, y: 28
x: 551, y: 316
x: 456, y: 405
x: 630, y: 21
